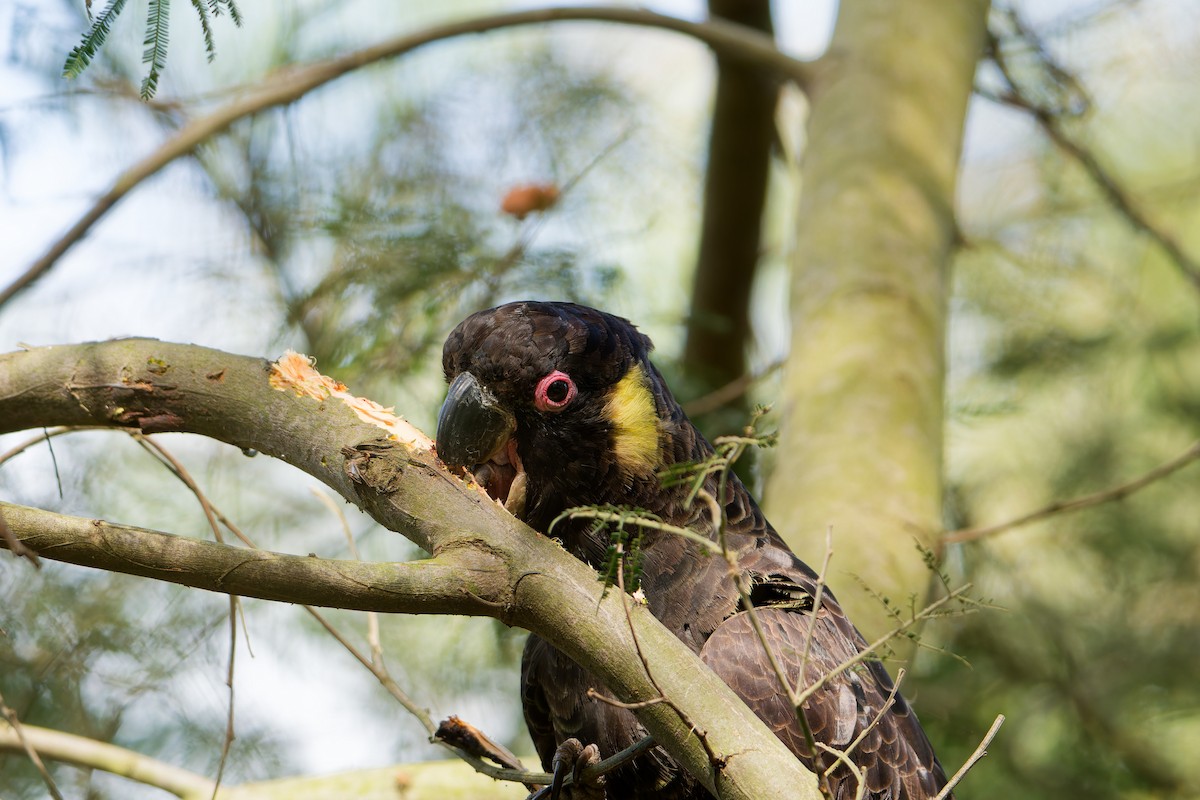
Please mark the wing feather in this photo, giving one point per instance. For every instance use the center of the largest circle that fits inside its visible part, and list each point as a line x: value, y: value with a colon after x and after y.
x: 894, y: 756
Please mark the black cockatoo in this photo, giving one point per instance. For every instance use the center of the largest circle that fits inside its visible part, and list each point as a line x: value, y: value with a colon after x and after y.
x: 556, y: 405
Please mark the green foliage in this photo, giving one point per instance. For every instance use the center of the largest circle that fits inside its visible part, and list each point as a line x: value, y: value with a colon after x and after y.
x: 370, y: 229
x: 202, y: 13
x: 370, y: 216
x: 80, y: 57
x: 157, y: 18
x: 626, y: 526
x: 727, y: 451
x: 156, y: 37
x: 624, y: 557
x: 1082, y: 374
x: 228, y: 6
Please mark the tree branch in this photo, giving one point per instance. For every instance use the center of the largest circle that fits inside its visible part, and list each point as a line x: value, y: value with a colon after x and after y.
x: 484, y: 561
x: 288, y: 85
x: 1118, y: 492
x: 21, y: 740
x: 429, y: 586
x: 59, y: 746
x: 978, y: 753
x: 1051, y: 123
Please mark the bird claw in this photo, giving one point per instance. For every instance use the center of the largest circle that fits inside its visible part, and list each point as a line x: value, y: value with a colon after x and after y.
x: 572, y: 756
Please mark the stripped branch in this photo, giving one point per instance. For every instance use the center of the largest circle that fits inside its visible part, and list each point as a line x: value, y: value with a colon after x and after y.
x: 484, y: 562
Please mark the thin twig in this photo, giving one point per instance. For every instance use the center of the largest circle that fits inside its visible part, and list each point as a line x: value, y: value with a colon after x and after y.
x: 381, y: 674
x: 1051, y: 124
x: 594, y: 772
x: 637, y: 645
x: 34, y: 758
x: 628, y: 754
x: 717, y: 513
x: 724, y: 395
x: 36, y: 440
x: 227, y: 744
x: 53, y: 462
x: 793, y: 697
x: 641, y: 521
x: 181, y: 472
x: 841, y: 757
x: 629, y: 618
x: 16, y: 546
x: 733, y: 447
x: 1086, y: 501
x: 378, y: 670
x: 287, y: 86
x: 739, y: 581
x: 866, y: 652
x: 373, y: 639
x: 887, y: 704
x: 374, y: 664
x: 614, y: 702
x: 817, y: 598
x: 979, y: 753
x: 602, y: 768
x: 646, y: 742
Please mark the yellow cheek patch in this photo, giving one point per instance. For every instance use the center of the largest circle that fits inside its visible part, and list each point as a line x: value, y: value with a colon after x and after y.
x: 630, y: 408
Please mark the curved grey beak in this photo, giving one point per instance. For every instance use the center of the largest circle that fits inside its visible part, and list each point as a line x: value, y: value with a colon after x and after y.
x: 472, y: 426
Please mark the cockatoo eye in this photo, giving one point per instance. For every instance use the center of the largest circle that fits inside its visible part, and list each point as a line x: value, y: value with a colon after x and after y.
x: 554, y: 392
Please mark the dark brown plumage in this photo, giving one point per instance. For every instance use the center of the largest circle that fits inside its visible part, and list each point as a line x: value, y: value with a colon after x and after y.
x: 563, y: 399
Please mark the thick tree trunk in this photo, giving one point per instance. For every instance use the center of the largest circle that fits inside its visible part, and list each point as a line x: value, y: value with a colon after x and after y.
x: 861, y: 446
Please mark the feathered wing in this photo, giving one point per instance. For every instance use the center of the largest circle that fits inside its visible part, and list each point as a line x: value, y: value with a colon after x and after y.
x: 894, y: 756
x: 689, y: 591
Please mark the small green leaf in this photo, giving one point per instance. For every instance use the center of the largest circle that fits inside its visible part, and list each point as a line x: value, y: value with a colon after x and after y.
x: 210, y: 47
x: 156, y: 41
x: 234, y: 13
x: 79, y: 58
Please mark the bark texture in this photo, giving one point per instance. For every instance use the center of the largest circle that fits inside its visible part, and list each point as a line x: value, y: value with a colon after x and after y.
x: 861, y: 446
x: 485, y: 562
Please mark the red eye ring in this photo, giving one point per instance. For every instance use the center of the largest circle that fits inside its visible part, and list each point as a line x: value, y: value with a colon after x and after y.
x: 554, y: 392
